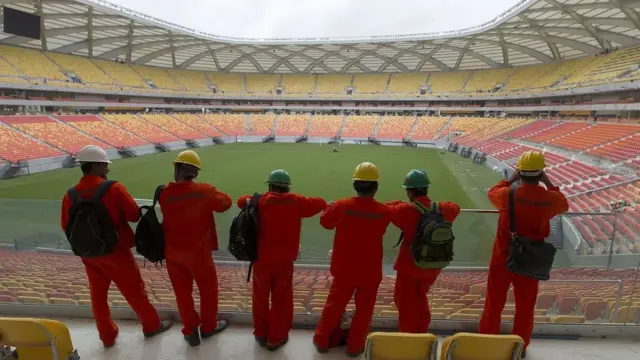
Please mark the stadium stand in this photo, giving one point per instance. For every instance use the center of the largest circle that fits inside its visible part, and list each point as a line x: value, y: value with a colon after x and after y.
x: 580, y: 73
x: 292, y: 125
x: 594, y: 135
x: 33, y: 63
x: 102, y: 130
x: 82, y: 67
x: 561, y: 71
x: 52, y: 132
x: 196, y: 123
x: 395, y: 127
x: 524, y: 77
x: 370, y: 83
x: 332, y: 83
x: 627, y: 148
x: 529, y: 129
x: 468, y: 125
x: 616, y: 64
x: 360, y: 126
x: 173, y: 126
x: 16, y: 147
x: 490, y: 131
x: 262, y: 124
x: 562, y: 129
x: 406, y: 83
x: 141, y: 128
x: 262, y: 84
x: 230, y: 124
x: 158, y: 76
x: 325, y: 125
x: 9, y: 73
x: 190, y: 80
x: 298, y: 83
x: 227, y: 82
x: 428, y: 126
x: 122, y: 74
x: 486, y: 80
x: 447, y: 82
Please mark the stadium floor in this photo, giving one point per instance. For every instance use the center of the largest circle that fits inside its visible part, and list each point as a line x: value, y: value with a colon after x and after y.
x: 238, y: 343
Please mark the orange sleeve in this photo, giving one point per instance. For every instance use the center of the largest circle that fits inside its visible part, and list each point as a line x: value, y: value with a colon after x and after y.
x: 331, y: 215
x: 127, y: 206
x: 559, y: 203
x: 216, y: 200
x: 399, y: 214
x: 310, y: 206
x: 242, y: 201
x: 64, y: 212
x: 449, y: 210
x: 393, y: 202
x: 499, y: 195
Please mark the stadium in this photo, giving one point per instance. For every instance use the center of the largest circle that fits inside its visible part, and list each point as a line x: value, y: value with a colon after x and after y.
x: 558, y: 76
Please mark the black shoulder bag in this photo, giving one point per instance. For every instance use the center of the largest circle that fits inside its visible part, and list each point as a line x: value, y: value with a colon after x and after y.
x: 528, y: 257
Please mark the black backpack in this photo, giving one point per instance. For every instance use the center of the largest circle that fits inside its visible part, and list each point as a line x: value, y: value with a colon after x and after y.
x: 243, y: 235
x: 149, y: 233
x: 90, y: 230
x: 432, y: 247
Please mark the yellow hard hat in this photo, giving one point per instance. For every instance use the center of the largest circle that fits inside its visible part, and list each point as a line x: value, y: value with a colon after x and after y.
x: 366, y: 171
x: 532, y: 162
x: 189, y: 157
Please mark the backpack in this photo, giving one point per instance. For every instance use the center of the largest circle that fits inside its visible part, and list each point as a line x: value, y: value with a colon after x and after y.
x: 149, y: 233
x: 432, y: 247
x: 90, y: 229
x: 243, y: 235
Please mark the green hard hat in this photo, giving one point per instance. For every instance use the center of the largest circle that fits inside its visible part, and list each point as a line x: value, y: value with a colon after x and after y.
x: 416, y: 179
x: 280, y: 177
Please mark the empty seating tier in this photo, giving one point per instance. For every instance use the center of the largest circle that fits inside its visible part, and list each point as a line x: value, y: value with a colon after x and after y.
x: 428, y: 126
x: 123, y: 74
x: 141, y: 128
x: 360, y: 126
x: 262, y: 124
x: 447, y: 82
x: 16, y: 147
x: 158, y: 76
x: 395, y: 127
x: 490, y: 131
x: 197, y: 123
x: 102, y: 130
x: 325, y: 125
x: 619, y: 150
x: 227, y: 82
x: 485, y: 80
x: 298, y: 83
x: 370, y: 83
x: 262, y: 84
x: 191, y: 80
x: 230, y: 124
x: 52, y: 132
x: 556, y: 131
x: 32, y: 63
x: 529, y: 129
x: 82, y: 67
x: 173, y: 126
x: 598, y: 134
x: 407, y: 83
x: 332, y: 84
x: 292, y: 125
x: 468, y: 125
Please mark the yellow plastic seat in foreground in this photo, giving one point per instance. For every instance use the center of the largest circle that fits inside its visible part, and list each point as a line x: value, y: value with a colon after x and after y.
x: 400, y: 346
x: 37, y: 339
x: 466, y: 346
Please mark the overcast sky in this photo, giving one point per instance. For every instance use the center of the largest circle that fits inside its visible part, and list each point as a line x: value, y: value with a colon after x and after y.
x: 317, y: 18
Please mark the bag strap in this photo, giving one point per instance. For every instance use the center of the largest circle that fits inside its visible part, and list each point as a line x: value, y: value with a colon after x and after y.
x: 74, y: 196
x: 102, y: 190
x: 156, y: 195
x: 512, y: 211
x: 255, y: 198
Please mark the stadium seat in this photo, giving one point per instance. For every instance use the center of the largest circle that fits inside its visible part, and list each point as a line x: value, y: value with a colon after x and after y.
x: 229, y: 124
x: 123, y: 75
x: 226, y: 83
x: 16, y: 147
x: 465, y: 346
x: 173, y: 126
x: 292, y: 125
x: 37, y: 339
x: 395, y: 127
x: 333, y: 83
x: 262, y: 124
x: 262, y: 83
x: 141, y: 128
x: 400, y: 346
x: 325, y: 125
x: 298, y: 83
x: 195, y: 122
x: 427, y: 127
x: 360, y: 126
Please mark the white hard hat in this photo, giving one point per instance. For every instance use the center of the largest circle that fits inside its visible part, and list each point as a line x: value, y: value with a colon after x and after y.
x: 92, y: 153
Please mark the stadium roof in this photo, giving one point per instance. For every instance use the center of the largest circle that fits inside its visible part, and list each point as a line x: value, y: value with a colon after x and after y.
x: 531, y: 32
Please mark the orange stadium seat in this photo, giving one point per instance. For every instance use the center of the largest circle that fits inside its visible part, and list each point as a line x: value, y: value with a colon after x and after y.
x: 140, y: 127
x: 360, y: 126
x: 197, y: 123
x: 292, y: 125
x: 102, y: 130
x: 230, y: 124
x: 395, y: 127
x: 428, y: 126
x: 595, y: 135
x: 325, y: 125
x: 173, y: 126
x: 16, y: 147
x: 529, y: 129
x: 620, y: 150
x: 262, y: 124
x: 556, y: 131
x: 52, y: 132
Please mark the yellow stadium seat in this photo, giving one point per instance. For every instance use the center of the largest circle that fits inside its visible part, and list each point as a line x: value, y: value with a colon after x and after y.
x: 567, y: 319
x: 461, y: 316
x: 63, y: 301
x: 32, y: 300
x: 465, y: 346
x: 400, y: 346
x: 37, y: 339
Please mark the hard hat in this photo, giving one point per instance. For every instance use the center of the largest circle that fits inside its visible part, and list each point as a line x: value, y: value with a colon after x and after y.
x: 366, y: 171
x: 189, y: 157
x: 531, y: 163
x: 279, y: 177
x: 416, y: 179
x: 92, y: 153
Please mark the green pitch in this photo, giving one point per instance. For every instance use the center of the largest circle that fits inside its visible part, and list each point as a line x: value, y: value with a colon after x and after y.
x: 29, y: 205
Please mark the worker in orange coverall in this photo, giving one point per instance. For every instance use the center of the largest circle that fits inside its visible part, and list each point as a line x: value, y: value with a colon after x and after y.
x: 190, y: 235
x: 535, y: 206
x: 356, y: 262
x: 280, y: 220
x: 119, y: 266
x: 413, y: 283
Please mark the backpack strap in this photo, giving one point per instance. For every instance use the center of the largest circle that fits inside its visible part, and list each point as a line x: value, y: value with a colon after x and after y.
x: 156, y: 195
x: 255, y: 198
x: 74, y: 196
x: 435, y: 207
x: 102, y: 190
x: 512, y: 211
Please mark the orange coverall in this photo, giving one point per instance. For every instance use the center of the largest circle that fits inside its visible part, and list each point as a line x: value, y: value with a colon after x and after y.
x: 120, y: 266
x: 356, y: 266
x: 413, y: 283
x: 535, y: 206
x: 190, y: 235
x: 280, y: 219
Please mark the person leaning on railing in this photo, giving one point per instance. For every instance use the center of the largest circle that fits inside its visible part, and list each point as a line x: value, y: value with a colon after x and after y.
x: 534, y: 207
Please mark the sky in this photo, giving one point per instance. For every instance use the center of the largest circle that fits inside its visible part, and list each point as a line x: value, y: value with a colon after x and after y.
x: 320, y: 18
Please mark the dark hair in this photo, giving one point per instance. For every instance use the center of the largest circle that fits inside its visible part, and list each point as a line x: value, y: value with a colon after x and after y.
x: 534, y: 180
x: 186, y: 172
x: 365, y: 188
x: 418, y: 191
x: 86, y: 167
x: 279, y: 188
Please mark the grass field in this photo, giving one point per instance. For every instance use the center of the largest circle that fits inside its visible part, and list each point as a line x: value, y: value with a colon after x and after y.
x: 29, y: 205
